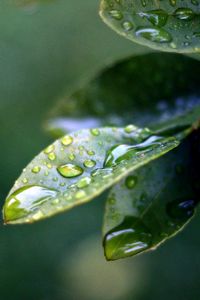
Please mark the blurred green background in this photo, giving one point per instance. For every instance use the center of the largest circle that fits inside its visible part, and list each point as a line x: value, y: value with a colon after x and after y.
x: 47, y: 50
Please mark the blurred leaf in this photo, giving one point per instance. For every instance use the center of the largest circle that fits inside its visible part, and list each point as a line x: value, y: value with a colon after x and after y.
x: 141, y: 90
x: 164, y: 25
x: 77, y: 168
x: 190, y: 119
x: 150, y: 205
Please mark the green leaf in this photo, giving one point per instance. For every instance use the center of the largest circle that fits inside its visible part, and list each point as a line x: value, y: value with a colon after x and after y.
x: 77, y: 168
x: 142, y: 90
x: 190, y: 120
x: 152, y: 204
x: 164, y: 25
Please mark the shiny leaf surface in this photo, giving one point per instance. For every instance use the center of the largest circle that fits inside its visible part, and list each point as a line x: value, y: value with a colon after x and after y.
x: 78, y: 167
x: 151, y: 205
x: 164, y: 25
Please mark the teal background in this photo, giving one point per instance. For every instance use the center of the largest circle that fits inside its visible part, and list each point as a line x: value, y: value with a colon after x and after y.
x: 47, y: 50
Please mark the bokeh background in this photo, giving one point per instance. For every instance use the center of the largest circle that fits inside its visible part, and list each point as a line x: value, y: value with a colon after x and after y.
x: 48, y: 49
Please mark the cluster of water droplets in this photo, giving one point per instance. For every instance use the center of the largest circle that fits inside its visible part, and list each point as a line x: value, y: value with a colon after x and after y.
x: 130, y: 232
x: 77, y: 169
x: 176, y: 28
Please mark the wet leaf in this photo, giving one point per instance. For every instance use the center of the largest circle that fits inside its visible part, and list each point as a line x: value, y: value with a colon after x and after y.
x: 164, y: 25
x: 77, y: 168
x: 150, y: 205
x: 130, y: 92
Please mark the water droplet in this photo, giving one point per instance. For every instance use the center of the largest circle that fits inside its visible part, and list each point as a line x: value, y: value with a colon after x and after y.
x: 83, y: 182
x: 80, y: 194
x: 181, y: 209
x: 49, y: 166
x: 70, y: 170
x: 116, y: 14
x: 130, y: 182
x: 90, y: 152
x: 51, y: 156
x: 184, y: 13
x: 71, y: 156
x: 127, y: 25
x: 26, y: 200
x: 95, y: 131
x: 67, y: 140
x: 36, y: 169
x: 89, y: 163
x: 157, y: 35
x: 49, y: 149
x: 129, y: 238
x: 120, y: 153
x: 157, y: 17
x: 25, y: 180
x: 130, y: 128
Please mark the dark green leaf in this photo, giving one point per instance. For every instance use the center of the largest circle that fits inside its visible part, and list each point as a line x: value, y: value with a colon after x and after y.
x: 163, y: 25
x: 77, y: 168
x: 142, y: 90
x: 152, y: 204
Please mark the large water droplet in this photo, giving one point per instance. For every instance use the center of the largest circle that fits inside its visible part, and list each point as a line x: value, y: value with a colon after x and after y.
x: 26, y: 200
x: 120, y: 153
x: 66, y: 140
x: 181, y: 209
x: 157, y: 17
x: 184, y: 13
x: 70, y: 170
x: 129, y: 238
x: 153, y: 34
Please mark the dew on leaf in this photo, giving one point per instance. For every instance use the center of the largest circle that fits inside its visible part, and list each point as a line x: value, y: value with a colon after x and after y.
x: 130, y: 128
x: 181, y: 209
x: 127, y: 25
x: 49, y: 149
x: 89, y: 163
x: 157, y: 17
x: 130, y: 182
x: 80, y: 194
x: 120, y: 153
x: 71, y: 156
x: 153, y: 34
x: 129, y: 238
x: 25, y: 200
x: 184, y: 13
x: 51, y: 156
x: 95, y: 131
x: 36, y: 169
x: 25, y: 180
x: 70, y: 170
x: 116, y: 14
x: 67, y: 140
